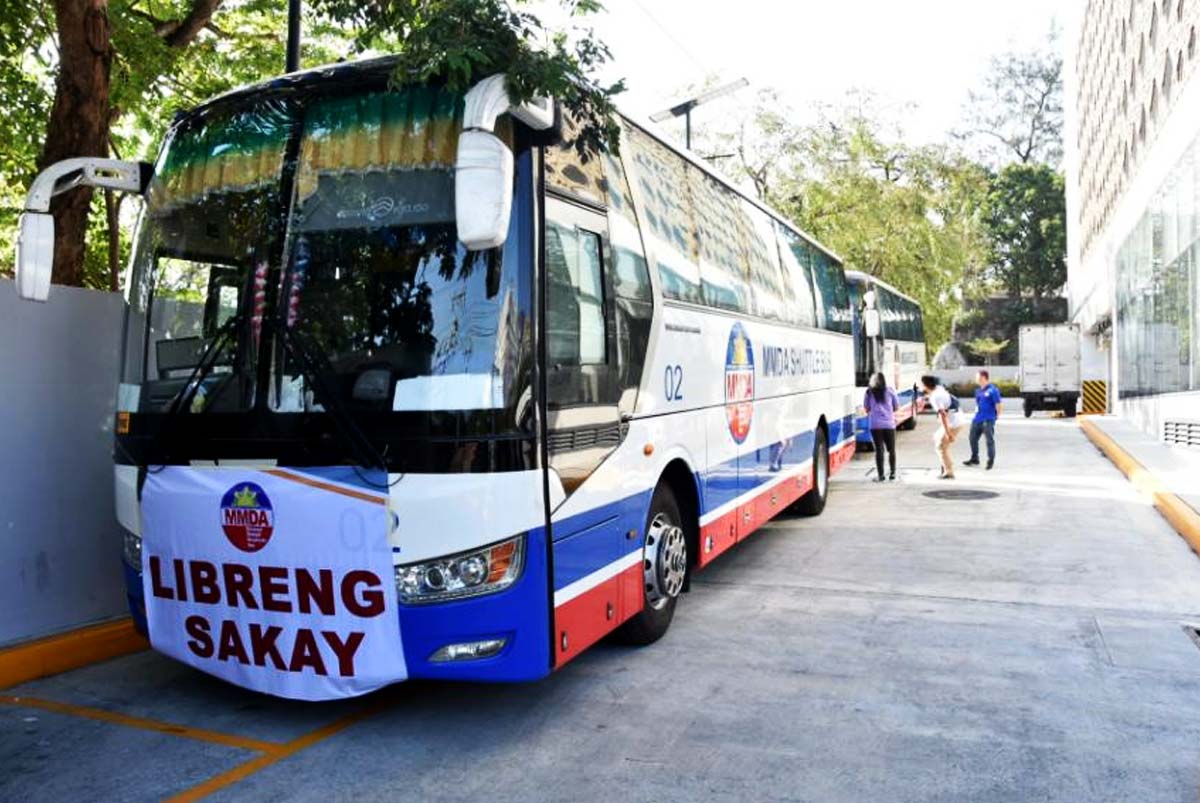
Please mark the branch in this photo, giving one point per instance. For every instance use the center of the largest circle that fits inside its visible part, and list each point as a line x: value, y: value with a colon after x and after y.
x: 185, y: 30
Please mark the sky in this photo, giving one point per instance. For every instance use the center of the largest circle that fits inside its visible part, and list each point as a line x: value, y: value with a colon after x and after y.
x: 919, y: 57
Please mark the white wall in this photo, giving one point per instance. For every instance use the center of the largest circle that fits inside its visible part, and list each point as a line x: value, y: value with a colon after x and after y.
x: 60, y: 546
x: 1148, y: 413
x: 950, y: 376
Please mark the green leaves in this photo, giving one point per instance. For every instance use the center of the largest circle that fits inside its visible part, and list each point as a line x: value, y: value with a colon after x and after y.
x: 460, y: 42
x: 1025, y: 215
x: 906, y: 214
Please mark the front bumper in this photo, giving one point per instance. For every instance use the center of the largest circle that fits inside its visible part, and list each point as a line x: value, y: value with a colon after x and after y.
x: 520, y: 614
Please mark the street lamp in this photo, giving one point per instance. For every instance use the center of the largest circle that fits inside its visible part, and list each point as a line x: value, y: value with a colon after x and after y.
x: 292, y: 61
x: 684, y: 108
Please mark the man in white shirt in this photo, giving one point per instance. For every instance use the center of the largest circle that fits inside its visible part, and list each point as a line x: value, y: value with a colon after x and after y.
x: 949, y: 422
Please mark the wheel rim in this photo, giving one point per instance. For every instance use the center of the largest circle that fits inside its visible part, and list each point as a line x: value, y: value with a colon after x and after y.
x: 664, y: 561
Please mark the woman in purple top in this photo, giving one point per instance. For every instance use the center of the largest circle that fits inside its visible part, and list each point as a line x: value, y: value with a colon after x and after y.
x: 881, y: 404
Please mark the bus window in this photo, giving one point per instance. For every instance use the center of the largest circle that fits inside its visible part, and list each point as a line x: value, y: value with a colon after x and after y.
x: 631, y: 278
x: 574, y: 296
x: 762, y: 256
x: 794, y: 252
x: 661, y: 180
x: 568, y: 174
x: 722, y: 256
x: 833, y: 301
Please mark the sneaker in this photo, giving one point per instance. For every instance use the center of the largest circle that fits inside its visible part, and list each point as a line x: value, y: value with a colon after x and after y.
x: 946, y: 477
x: 879, y: 478
x: 891, y: 476
x: 989, y: 465
x: 972, y: 462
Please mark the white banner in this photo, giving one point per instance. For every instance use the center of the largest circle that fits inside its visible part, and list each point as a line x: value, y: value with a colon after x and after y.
x: 274, y: 580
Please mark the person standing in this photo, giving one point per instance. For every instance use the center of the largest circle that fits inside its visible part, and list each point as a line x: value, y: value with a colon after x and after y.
x: 945, y: 407
x: 987, y: 409
x: 881, y: 404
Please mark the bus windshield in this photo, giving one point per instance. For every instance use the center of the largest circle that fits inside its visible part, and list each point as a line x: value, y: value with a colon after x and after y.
x: 331, y: 217
x: 407, y: 317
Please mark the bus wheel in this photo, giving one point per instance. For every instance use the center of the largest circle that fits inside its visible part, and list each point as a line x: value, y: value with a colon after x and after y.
x: 664, y: 570
x: 911, y: 423
x: 813, y: 502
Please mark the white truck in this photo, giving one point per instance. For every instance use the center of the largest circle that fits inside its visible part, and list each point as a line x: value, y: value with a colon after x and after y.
x: 1049, y: 357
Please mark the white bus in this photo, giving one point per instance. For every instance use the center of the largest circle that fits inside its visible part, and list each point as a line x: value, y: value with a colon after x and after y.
x: 411, y: 390
x: 895, y: 347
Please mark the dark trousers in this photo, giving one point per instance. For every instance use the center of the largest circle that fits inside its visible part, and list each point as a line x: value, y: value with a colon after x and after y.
x: 882, y: 438
x: 987, y: 429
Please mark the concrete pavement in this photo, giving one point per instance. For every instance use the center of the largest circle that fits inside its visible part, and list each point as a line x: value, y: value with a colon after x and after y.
x: 1029, y: 646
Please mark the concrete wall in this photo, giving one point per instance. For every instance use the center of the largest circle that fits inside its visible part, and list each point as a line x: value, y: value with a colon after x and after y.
x: 60, y: 545
x: 1149, y: 412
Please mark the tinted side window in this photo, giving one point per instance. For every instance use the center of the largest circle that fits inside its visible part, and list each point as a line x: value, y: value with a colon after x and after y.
x: 662, y: 182
x: 567, y: 173
x: 575, y: 296
x: 833, y: 300
x: 724, y: 279
x: 794, y: 252
x: 762, y: 257
x: 631, y: 277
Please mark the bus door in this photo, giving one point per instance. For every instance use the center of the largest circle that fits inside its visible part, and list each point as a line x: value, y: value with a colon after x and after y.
x: 584, y: 423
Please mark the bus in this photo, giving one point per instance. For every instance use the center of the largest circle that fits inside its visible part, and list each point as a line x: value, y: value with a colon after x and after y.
x: 894, y: 347
x: 412, y: 389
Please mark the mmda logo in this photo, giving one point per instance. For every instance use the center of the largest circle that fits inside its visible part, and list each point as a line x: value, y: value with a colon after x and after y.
x: 247, y: 516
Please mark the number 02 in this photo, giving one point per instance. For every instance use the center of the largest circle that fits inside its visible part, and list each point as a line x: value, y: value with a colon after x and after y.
x: 673, y: 382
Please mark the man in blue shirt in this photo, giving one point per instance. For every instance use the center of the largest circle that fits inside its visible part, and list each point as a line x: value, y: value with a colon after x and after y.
x: 987, y: 410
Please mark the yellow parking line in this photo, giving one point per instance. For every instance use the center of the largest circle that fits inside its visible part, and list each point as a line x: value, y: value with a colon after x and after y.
x: 243, y: 771
x: 1178, y: 513
x: 87, y: 712
x: 66, y: 651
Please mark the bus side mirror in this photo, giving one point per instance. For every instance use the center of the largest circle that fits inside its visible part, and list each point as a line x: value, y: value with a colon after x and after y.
x: 35, y: 255
x: 35, y: 231
x: 483, y: 188
x: 871, y: 322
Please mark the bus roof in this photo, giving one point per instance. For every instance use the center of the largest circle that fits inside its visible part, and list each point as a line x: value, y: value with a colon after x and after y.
x: 858, y: 277
x: 380, y: 69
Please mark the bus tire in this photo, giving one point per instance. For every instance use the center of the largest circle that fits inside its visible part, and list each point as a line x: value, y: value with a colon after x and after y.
x: 664, y: 570
x: 813, y: 502
x: 911, y: 423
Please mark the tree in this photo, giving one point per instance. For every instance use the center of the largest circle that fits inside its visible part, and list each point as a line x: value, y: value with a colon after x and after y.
x: 908, y: 215
x: 1025, y: 215
x: 988, y: 348
x: 82, y: 113
x: 462, y: 41
x: 1019, y: 113
x: 100, y: 77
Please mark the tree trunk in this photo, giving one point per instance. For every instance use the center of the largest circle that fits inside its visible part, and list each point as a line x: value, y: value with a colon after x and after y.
x: 79, y: 121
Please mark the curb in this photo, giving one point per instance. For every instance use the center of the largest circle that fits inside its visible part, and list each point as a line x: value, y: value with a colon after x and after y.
x: 1178, y: 513
x: 66, y: 651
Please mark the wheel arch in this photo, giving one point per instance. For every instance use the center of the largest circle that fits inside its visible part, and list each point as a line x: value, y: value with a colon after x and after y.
x: 682, y: 481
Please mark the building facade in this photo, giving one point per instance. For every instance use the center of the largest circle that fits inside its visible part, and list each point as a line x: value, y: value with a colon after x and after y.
x: 1133, y: 201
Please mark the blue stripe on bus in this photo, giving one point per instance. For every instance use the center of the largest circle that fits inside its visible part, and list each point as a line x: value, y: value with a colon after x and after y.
x: 589, y: 541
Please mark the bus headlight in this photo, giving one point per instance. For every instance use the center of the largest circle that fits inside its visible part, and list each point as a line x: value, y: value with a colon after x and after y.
x: 467, y: 574
x: 131, y: 550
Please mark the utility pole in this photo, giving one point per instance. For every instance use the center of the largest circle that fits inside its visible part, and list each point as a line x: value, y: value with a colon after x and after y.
x: 684, y: 108
x: 293, y: 36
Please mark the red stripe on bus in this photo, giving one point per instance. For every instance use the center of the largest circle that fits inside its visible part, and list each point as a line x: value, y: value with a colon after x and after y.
x: 582, y: 621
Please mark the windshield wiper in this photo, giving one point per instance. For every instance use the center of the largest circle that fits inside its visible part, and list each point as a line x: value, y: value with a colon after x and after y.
x: 208, y: 361
x: 311, y: 360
